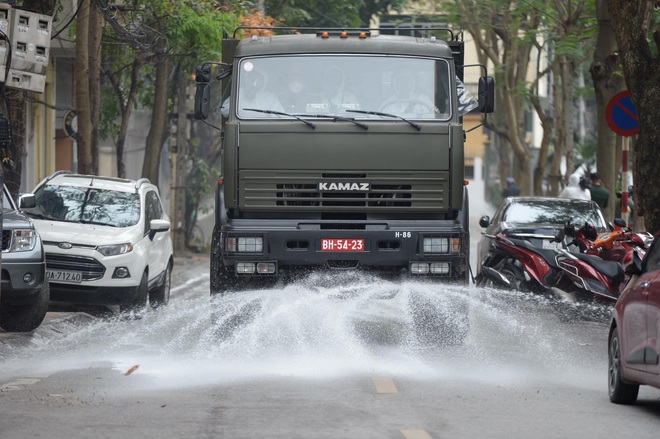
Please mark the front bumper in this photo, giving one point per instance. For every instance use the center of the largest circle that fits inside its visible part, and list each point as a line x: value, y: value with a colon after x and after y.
x: 21, y: 281
x: 387, y: 245
x: 91, y: 295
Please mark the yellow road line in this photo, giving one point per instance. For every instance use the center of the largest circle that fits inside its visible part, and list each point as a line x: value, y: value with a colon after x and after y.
x: 384, y: 385
x: 415, y: 434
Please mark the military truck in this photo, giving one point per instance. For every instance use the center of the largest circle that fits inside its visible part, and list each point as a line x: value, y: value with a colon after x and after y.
x: 341, y: 149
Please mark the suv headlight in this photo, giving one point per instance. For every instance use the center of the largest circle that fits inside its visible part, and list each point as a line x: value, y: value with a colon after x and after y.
x: 114, y: 249
x: 23, y: 240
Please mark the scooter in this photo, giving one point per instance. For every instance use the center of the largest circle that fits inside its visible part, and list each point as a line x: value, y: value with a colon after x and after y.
x: 515, y: 264
x: 598, y: 272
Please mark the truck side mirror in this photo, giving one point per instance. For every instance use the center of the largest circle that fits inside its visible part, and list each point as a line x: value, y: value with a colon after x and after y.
x: 202, y: 100
x: 203, y: 73
x: 486, y: 94
x: 484, y: 221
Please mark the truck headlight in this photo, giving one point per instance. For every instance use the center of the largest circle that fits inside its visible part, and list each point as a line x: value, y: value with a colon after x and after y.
x: 114, y: 249
x: 23, y: 240
x: 436, y: 245
x: 245, y: 244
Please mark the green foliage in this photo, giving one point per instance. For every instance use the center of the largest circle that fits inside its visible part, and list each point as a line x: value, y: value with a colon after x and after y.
x: 329, y: 13
x: 186, y: 30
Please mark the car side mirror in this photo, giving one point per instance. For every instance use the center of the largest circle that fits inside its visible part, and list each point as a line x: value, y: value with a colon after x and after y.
x: 158, y: 225
x: 634, y: 267
x: 484, y: 221
x: 560, y: 235
x: 27, y: 201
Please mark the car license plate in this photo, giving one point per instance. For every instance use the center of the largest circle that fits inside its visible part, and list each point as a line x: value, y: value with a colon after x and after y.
x: 64, y: 276
x: 342, y: 245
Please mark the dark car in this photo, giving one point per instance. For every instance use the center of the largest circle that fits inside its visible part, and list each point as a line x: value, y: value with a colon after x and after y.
x: 532, y: 217
x: 634, y: 338
x: 24, y: 294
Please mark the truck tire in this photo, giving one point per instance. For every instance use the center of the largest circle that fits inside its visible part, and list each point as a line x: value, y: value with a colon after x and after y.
x: 26, y: 318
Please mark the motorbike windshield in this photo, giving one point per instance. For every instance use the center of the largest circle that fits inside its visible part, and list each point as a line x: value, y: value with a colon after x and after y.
x: 323, y: 85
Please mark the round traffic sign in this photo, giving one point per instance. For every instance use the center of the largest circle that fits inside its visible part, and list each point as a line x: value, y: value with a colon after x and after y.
x: 621, y: 115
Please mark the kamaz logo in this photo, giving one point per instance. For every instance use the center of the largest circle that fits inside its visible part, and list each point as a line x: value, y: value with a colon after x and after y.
x: 344, y: 186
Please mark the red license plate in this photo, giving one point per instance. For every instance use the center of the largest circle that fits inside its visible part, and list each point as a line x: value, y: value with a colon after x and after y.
x: 342, y: 245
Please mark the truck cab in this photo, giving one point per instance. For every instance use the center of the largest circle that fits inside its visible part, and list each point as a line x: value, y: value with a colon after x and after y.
x: 341, y: 150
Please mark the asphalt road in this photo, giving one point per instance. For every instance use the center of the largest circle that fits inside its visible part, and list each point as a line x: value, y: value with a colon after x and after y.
x: 328, y: 357
x: 295, y: 365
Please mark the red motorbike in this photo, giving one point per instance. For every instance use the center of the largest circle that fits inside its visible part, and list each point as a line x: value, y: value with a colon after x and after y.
x: 551, y: 268
x: 597, y: 270
x: 515, y: 263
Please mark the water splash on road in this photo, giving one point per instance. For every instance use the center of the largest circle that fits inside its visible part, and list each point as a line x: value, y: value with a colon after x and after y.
x: 332, y: 325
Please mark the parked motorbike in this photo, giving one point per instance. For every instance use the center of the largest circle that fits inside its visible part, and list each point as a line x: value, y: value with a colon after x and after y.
x: 515, y: 263
x: 580, y: 274
x: 598, y: 271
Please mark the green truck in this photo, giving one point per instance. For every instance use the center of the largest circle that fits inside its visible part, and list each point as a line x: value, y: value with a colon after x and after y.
x: 341, y: 149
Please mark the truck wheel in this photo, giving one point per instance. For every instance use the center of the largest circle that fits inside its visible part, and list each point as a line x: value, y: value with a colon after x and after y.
x: 25, y: 318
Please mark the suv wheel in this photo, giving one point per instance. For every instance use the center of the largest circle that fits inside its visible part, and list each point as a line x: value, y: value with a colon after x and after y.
x: 141, y: 298
x: 161, y: 296
x: 25, y: 318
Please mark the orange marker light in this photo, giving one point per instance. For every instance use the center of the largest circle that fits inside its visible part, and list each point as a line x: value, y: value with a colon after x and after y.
x: 344, y: 34
x: 325, y: 35
x: 363, y: 35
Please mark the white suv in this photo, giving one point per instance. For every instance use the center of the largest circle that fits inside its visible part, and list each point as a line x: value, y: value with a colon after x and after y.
x: 107, y: 240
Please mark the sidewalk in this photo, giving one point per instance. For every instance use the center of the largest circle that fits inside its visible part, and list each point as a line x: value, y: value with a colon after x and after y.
x: 189, y: 267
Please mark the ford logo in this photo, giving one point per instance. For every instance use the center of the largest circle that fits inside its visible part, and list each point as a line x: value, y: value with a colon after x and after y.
x: 65, y: 245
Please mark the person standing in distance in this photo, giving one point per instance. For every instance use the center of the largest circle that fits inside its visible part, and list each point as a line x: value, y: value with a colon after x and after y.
x: 511, y: 190
x: 598, y: 193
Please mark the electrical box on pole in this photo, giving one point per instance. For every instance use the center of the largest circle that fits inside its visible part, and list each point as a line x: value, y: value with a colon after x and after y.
x: 29, y: 48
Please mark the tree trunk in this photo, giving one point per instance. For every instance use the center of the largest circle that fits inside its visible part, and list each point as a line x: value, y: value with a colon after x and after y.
x: 95, y: 35
x: 608, y: 80
x: 631, y: 21
x: 81, y: 92
x: 158, y: 121
x: 567, y: 68
x: 556, y: 178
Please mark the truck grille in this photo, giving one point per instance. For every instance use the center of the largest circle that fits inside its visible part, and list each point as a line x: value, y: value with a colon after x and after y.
x: 380, y: 195
x: 6, y: 240
x: 91, y: 268
x: 388, y: 191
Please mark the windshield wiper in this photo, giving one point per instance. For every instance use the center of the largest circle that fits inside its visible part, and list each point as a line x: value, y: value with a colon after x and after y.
x: 378, y: 113
x: 335, y: 118
x: 96, y: 223
x: 281, y: 113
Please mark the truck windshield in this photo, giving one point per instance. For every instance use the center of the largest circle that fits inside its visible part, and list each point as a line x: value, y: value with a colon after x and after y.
x: 314, y: 85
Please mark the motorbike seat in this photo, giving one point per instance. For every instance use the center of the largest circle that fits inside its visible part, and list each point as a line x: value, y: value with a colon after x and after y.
x: 610, y: 269
x: 548, y: 255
